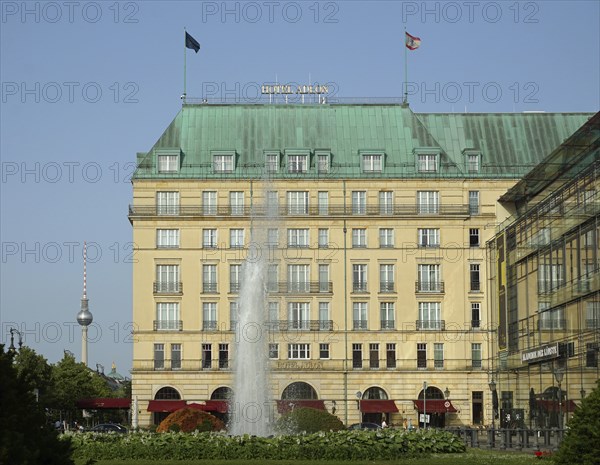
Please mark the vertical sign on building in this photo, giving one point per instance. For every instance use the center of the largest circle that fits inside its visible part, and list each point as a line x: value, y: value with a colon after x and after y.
x: 501, y: 280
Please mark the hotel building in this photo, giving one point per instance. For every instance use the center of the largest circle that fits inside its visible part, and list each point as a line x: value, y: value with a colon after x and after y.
x: 376, y: 220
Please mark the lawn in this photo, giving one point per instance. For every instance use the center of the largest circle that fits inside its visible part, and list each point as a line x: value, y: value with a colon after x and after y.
x: 471, y: 457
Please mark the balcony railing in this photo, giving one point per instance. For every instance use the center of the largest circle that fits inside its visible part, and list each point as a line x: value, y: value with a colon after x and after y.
x: 360, y: 286
x: 552, y: 324
x: 359, y: 324
x: 209, y: 325
x: 300, y: 325
x: 295, y: 210
x: 429, y: 286
x: 168, y: 325
x: 386, y: 286
x: 388, y: 324
x: 592, y: 323
x: 166, y: 287
x: 433, y: 325
x: 209, y: 288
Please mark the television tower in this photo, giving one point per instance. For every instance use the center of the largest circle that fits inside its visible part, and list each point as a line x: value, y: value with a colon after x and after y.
x: 84, y: 317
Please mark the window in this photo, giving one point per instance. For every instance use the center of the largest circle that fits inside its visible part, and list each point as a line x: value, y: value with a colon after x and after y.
x: 234, y: 314
x: 474, y: 277
x: 550, y: 277
x: 386, y: 237
x: 209, y: 278
x: 209, y: 203
x: 387, y: 315
x: 591, y: 355
x: 273, y: 277
x: 438, y: 355
x: 235, y: 278
x: 167, y: 315
x: 390, y: 355
x: 475, y: 315
x: 476, y: 355
x: 236, y: 203
x: 359, y: 237
x: 473, y: 163
x: 373, y: 355
x: 323, y: 202
x: 324, y: 351
x: 429, y: 278
x: 274, y: 313
x: 299, y: 351
x: 359, y: 202
x: 222, y: 163
x: 273, y: 237
x: 298, y: 238
x: 272, y: 162
x: 175, y: 356
x: 272, y: 200
x: 386, y: 203
x: 359, y: 278
x: 473, y: 202
x: 322, y: 163
x: 209, y: 238
x: 427, y: 163
x: 473, y: 237
x: 325, y: 323
x: 206, y: 356
x: 298, y: 315
x: 159, y: 356
x: 430, y: 316
x: 209, y: 316
x: 298, y: 278
x: 386, y: 278
x: 592, y: 316
x: 236, y: 238
x: 429, y: 237
x: 359, y: 313
x: 273, y: 351
x: 551, y: 318
x: 297, y: 202
x: 167, y: 279
x: 167, y: 238
x: 297, y: 163
x: 421, y: 355
x: 168, y: 163
x: 324, y: 285
x: 428, y: 202
x: 372, y: 163
x: 356, y: 355
x: 167, y: 203
x: 223, y: 356
x: 323, y: 238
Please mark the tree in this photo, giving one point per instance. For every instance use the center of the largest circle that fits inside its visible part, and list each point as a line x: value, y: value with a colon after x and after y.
x: 581, y: 444
x: 25, y: 436
x: 309, y: 420
x: 72, y: 381
x: 34, y: 370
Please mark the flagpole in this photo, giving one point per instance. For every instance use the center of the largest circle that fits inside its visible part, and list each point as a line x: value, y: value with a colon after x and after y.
x: 405, y: 102
x: 183, y: 97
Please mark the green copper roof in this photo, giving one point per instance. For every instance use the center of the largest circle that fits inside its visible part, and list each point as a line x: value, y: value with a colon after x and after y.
x: 508, y: 144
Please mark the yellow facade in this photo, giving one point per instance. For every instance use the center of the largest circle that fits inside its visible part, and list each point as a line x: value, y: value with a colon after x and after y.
x: 428, y: 291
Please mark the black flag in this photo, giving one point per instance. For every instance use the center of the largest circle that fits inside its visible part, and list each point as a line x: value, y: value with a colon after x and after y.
x: 192, y: 43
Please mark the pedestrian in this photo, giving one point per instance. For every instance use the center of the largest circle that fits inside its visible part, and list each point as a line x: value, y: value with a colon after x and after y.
x: 383, y: 424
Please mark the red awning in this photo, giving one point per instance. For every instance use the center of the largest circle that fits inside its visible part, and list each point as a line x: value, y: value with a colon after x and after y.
x: 284, y: 406
x: 165, y: 405
x: 220, y: 406
x: 435, y: 406
x: 553, y: 405
x: 378, y: 406
x: 103, y: 403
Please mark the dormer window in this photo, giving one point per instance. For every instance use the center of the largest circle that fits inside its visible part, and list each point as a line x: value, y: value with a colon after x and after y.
x: 272, y: 162
x: 168, y: 161
x: 427, y: 163
x: 297, y: 161
x: 223, y: 162
x: 371, y: 162
x: 323, y: 161
x: 472, y: 160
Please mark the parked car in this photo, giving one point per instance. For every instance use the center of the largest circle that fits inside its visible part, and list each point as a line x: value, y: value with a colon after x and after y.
x: 371, y: 426
x: 108, y: 428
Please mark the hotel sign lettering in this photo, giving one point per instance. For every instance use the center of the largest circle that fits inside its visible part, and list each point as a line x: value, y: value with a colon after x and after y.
x: 286, y: 89
x: 287, y: 365
x: 540, y: 353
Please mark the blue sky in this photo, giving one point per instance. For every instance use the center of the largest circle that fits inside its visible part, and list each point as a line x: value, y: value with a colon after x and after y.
x: 86, y: 85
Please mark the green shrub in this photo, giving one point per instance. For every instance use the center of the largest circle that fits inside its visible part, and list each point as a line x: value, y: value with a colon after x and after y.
x: 308, y: 420
x: 581, y: 444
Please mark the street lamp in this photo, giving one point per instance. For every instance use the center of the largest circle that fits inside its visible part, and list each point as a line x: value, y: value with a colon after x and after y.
x: 558, y: 374
x: 492, y: 385
x: 447, y: 392
x: 425, y: 404
x: 582, y: 392
x: 12, y: 349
